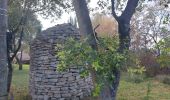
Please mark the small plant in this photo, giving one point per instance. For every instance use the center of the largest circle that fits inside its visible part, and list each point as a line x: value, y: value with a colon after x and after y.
x: 148, y: 91
x: 135, y: 78
x: 164, y: 58
x: 136, y: 73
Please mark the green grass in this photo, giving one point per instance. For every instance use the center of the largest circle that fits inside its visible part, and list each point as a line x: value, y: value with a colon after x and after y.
x: 138, y: 91
x: 20, y: 77
x: 127, y: 90
x: 19, y: 87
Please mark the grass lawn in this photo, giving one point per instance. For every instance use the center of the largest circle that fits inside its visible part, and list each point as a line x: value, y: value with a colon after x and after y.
x: 138, y: 91
x: 19, y: 87
x: 127, y: 90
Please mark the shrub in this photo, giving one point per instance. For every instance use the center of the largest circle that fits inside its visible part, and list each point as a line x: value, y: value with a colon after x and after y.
x: 135, y: 78
x: 166, y: 80
x: 148, y: 59
x: 163, y: 78
x: 135, y: 70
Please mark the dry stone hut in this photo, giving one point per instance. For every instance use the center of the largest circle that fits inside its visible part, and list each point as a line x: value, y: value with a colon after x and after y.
x: 25, y: 59
x: 45, y: 82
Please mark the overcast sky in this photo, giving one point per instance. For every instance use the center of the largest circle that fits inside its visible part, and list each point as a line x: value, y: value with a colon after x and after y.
x: 46, y: 23
x: 64, y: 18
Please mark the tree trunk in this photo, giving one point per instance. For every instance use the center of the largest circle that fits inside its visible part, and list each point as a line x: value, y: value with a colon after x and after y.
x: 10, y: 69
x: 9, y: 75
x: 124, y: 43
x: 86, y: 28
x: 3, y: 50
x: 84, y: 21
x: 10, y: 59
x: 124, y: 37
x: 20, y: 61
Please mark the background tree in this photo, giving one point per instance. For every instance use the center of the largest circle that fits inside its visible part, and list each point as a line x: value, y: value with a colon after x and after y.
x: 73, y: 21
x: 164, y: 58
x: 23, y: 20
x: 31, y: 27
x: 107, y: 25
x: 152, y: 26
x: 3, y: 50
x: 149, y: 27
x: 22, y: 25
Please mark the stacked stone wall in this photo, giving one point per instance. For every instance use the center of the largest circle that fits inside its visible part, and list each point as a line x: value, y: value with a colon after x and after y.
x: 45, y: 82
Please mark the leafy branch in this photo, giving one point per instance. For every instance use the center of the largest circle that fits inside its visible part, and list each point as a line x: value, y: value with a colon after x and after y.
x: 80, y: 55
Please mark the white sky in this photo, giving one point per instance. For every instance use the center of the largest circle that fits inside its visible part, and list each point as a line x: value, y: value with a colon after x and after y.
x: 46, y: 23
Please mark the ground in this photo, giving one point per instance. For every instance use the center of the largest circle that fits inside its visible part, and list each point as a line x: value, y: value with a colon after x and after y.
x: 127, y: 90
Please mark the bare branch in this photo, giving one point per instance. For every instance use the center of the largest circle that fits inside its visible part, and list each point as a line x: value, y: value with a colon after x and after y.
x: 95, y: 33
x: 19, y: 44
x: 96, y: 27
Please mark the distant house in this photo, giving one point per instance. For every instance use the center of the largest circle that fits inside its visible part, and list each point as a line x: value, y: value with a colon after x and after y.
x: 25, y: 57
